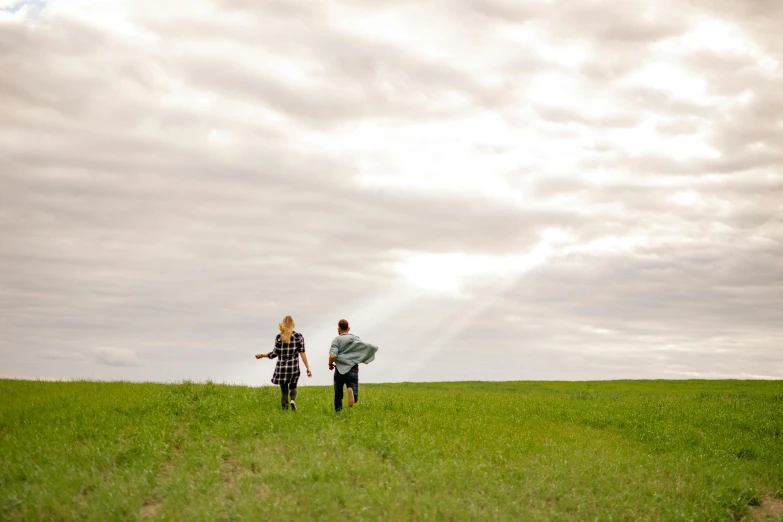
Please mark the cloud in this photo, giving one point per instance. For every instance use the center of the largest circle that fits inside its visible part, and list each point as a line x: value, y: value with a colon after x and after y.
x: 177, y: 178
x: 116, y: 356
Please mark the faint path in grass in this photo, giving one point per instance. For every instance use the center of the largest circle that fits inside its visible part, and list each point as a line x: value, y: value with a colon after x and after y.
x: 175, y: 442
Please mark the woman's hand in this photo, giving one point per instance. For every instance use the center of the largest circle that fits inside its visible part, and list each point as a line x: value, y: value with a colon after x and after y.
x: 260, y: 355
x: 309, y: 373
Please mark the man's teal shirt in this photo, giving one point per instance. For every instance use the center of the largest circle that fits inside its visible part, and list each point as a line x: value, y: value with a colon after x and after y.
x: 350, y: 351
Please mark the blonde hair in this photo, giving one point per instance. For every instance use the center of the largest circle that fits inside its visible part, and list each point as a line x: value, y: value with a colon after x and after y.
x: 286, y: 328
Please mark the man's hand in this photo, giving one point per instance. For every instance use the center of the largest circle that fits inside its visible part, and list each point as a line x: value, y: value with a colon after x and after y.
x: 260, y: 355
x: 331, y: 366
x: 309, y: 373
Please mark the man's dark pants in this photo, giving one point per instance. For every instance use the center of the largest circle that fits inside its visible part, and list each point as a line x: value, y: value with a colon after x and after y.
x: 349, y: 379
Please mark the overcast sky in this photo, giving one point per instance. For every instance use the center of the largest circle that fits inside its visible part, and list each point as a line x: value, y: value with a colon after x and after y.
x: 486, y: 189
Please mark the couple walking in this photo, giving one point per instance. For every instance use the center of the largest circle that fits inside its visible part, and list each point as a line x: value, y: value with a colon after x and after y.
x: 345, y: 354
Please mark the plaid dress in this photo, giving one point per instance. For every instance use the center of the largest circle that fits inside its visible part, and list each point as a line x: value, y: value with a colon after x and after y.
x: 287, y: 367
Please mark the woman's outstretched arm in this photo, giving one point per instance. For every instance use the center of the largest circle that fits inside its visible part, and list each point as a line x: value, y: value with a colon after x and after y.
x: 274, y: 353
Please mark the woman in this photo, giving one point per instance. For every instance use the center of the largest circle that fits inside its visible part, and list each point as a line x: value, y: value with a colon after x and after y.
x: 288, y: 346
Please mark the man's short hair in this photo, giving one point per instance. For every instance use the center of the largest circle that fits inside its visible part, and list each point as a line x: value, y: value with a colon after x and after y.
x: 342, y: 324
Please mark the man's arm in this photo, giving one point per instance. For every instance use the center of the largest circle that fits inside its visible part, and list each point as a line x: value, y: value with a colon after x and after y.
x: 333, y: 351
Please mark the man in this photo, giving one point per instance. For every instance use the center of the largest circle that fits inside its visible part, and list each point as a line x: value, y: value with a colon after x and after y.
x: 346, y: 353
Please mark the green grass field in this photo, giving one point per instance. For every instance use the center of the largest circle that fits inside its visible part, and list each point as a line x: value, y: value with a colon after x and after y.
x: 620, y: 450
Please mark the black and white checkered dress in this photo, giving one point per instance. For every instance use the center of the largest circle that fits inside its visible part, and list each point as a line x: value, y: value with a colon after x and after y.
x: 287, y: 367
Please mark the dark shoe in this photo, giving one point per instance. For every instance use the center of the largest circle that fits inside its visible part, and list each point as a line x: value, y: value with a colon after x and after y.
x: 350, y: 398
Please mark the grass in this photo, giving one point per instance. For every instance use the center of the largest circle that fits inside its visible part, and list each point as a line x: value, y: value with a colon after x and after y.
x: 620, y: 450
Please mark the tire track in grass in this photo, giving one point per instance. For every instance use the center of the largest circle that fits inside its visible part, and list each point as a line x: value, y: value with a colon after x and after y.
x: 238, y: 483
x: 154, y: 500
